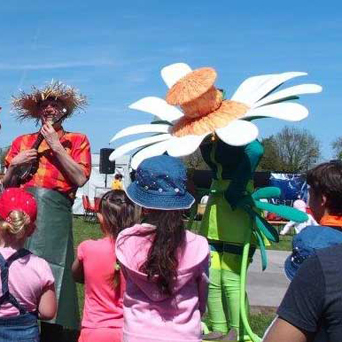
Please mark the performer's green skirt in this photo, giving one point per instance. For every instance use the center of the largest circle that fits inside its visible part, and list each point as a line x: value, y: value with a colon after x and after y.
x: 53, y: 241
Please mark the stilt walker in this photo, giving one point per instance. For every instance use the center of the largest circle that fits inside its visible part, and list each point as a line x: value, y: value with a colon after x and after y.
x: 52, y: 164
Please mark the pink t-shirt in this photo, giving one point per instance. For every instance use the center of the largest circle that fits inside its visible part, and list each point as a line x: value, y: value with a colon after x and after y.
x: 28, y: 278
x: 102, y: 303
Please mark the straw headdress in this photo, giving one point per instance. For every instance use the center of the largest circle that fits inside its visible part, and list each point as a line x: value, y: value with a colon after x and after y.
x: 27, y: 104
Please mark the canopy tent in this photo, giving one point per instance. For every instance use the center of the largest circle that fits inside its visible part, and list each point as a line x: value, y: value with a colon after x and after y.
x: 96, y: 186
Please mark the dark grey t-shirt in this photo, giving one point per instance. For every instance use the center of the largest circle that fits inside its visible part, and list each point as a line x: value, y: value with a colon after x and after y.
x: 313, y: 301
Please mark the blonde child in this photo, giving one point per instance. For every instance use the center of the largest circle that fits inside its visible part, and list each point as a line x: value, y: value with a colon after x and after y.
x: 96, y: 267
x: 165, y: 266
x: 27, y: 290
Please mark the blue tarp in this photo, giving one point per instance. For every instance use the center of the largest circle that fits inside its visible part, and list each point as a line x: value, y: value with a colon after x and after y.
x: 292, y: 186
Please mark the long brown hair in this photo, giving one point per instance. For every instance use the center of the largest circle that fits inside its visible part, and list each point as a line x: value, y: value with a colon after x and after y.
x: 161, y: 264
x: 118, y: 213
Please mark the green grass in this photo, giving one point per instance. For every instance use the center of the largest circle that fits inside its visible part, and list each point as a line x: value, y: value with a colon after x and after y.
x: 284, y: 244
x: 88, y: 230
x: 260, y: 321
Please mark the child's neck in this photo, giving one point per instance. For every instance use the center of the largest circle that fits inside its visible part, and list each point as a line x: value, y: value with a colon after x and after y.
x: 15, y: 244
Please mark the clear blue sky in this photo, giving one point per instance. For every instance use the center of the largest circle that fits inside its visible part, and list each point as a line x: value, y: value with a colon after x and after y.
x: 113, y: 52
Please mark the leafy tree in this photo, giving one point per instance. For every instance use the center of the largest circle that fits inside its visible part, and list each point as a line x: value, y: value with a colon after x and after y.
x: 291, y: 150
x: 195, y: 161
x: 270, y: 160
x: 3, y: 153
x: 337, y: 147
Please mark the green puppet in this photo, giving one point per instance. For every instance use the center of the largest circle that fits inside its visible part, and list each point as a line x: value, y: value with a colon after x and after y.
x: 226, y: 135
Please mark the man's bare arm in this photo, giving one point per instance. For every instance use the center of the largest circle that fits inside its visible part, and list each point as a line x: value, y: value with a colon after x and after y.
x: 21, y: 158
x: 282, y: 331
x: 73, y: 170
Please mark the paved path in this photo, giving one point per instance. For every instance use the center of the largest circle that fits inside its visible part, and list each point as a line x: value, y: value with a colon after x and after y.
x: 267, y: 288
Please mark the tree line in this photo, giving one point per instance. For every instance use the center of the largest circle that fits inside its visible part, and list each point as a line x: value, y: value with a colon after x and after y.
x: 292, y: 150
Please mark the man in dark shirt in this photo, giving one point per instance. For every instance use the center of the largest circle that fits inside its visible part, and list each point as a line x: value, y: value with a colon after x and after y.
x: 312, y: 307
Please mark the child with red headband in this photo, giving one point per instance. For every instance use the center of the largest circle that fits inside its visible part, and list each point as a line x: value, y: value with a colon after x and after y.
x: 27, y: 284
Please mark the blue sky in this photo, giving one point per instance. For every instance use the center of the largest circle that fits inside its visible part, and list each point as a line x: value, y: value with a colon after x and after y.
x: 113, y: 52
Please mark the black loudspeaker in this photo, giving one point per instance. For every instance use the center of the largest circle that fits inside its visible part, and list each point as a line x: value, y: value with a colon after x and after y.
x: 107, y: 167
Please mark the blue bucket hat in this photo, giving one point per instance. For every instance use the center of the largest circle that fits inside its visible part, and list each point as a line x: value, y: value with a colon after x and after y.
x: 160, y: 183
x: 306, y: 243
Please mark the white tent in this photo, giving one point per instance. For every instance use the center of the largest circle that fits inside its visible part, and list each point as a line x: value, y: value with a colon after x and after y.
x: 96, y: 185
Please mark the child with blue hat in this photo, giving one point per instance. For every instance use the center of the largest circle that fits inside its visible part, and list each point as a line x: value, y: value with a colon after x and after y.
x: 165, y: 266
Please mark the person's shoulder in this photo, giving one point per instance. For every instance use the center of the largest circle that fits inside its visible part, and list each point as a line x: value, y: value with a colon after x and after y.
x: 195, y: 241
x: 38, y: 262
x: 190, y: 236
x: 330, y: 261
x: 25, y: 137
x: 93, y: 243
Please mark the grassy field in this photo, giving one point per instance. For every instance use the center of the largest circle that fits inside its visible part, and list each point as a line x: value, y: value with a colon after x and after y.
x: 259, y: 321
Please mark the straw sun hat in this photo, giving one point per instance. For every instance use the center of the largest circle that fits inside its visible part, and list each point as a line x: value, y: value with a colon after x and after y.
x: 205, y: 112
x: 27, y: 104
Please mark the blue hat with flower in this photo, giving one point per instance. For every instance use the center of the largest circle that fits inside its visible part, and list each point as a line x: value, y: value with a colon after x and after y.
x: 160, y: 183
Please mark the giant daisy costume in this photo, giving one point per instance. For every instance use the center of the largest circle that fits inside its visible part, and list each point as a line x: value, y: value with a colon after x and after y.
x: 206, y: 112
x: 226, y: 135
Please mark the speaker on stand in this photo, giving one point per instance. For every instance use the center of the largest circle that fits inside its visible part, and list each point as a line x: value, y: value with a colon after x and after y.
x: 106, y: 166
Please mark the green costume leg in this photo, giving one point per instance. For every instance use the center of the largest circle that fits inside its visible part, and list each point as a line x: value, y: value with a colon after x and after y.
x: 217, y: 315
x: 231, y: 268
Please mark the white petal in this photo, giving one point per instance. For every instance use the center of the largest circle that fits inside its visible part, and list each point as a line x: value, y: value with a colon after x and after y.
x: 262, y: 85
x: 158, y: 107
x: 271, y: 84
x: 238, y: 133
x: 137, y: 129
x: 284, y: 94
x: 124, y: 149
x: 171, y: 74
x: 249, y: 86
x: 184, y: 146
x: 286, y: 111
x: 147, y: 152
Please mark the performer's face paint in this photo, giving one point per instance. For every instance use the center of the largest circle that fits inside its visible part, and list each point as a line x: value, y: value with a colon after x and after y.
x: 48, y: 109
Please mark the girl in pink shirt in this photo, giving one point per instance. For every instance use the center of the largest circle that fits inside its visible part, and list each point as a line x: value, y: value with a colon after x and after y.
x: 27, y: 284
x: 96, y: 267
x: 165, y: 266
